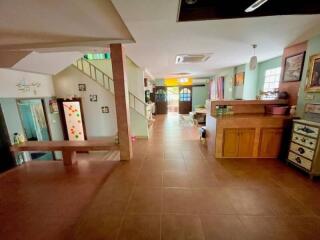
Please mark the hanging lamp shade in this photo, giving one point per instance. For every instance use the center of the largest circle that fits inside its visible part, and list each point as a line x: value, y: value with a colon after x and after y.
x: 253, y: 60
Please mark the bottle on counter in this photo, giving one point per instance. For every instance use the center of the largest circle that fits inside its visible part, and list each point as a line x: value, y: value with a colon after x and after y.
x: 16, y: 139
x: 22, y: 139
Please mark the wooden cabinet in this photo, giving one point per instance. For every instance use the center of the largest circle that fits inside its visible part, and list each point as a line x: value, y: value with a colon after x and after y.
x: 270, y: 142
x: 230, y: 142
x: 238, y: 142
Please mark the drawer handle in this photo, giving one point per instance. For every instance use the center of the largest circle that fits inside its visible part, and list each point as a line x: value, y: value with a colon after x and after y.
x: 298, y: 160
x: 311, y: 143
x: 301, y: 150
x: 303, y: 140
x: 306, y: 130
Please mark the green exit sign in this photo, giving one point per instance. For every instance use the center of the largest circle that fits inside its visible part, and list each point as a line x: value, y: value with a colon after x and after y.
x: 97, y: 56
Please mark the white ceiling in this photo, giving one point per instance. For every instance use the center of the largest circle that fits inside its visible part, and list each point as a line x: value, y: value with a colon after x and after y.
x: 39, y: 23
x: 47, y: 63
x: 159, y: 38
x: 56, y: 26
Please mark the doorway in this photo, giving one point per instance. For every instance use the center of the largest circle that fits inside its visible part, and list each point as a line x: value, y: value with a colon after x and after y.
x: 72, y: 119
x: 7, y: 159
x: 35, y: 125
x: 173, y: 99
x: 185, y: 100
x: 161, y: 100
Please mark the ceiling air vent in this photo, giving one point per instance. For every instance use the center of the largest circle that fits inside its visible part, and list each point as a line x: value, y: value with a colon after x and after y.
x: 192, y: 58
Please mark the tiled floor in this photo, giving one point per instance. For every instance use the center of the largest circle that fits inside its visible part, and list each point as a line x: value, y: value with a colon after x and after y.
x: 173, y: 189
x: 43, y: 200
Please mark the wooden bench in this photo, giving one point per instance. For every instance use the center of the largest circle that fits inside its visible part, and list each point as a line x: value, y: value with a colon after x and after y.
x: 68, y: 148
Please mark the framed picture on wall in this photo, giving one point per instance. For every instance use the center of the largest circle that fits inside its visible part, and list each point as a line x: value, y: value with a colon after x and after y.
x: 313, y: 76
x: 93, y: 97
x: 82, y: 87
x: 105, y: 109
x: 239, y: 79
x: 293, y: 68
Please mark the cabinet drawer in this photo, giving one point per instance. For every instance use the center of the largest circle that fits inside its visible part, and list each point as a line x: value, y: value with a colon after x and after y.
x: 304, y: 141
x: 306, y: 130
x: 301, y: 161
x: 303, y: 151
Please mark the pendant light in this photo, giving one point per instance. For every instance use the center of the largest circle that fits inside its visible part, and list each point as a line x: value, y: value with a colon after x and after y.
x: 254, y: 59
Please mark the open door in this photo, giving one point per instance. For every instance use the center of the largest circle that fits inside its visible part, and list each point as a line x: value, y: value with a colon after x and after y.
x: 7, y: 159
x: 35, y: 124
x: 161, y: 100
x: 185, y: 100
x: 72, y: 119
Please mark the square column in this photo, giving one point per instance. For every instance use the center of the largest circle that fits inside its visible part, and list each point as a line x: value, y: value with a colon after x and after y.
x: 118, y: 60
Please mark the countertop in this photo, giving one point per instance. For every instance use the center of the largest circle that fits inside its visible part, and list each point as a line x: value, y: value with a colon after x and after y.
x: 251, y: 116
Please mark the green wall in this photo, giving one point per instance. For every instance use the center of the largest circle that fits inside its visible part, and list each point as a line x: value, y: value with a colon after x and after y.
x: 228, y: 74
x: 238, y: 90
x: 263, y: 67
x: 253, y: 81
x: 250, y: 83
x: 199, y: 95
x: 312, y: 48
x: 240, y: 68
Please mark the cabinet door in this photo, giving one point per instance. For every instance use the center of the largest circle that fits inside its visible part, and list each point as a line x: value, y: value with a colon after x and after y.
x: 270, y: 142
x: 246, y: 142
x: 230, y: 142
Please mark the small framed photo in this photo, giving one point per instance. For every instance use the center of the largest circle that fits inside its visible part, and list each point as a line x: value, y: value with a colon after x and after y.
x: 293, y: 68
x: 105, y: 109
x: 93, y: 97
x: 82, y: 87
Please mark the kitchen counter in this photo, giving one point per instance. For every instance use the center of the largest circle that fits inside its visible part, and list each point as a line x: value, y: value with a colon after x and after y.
x: 249, y: 132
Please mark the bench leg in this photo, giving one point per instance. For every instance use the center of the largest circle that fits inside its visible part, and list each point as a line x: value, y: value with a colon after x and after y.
x: 69, y: 157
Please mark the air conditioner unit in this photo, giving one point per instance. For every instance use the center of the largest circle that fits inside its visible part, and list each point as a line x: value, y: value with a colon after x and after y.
x: 192, y: 58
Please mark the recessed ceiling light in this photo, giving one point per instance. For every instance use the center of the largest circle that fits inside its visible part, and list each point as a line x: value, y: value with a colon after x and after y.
x: 183, y: 80
x: 180, y: 74
x: 255, y: 5
x: 191, y: 2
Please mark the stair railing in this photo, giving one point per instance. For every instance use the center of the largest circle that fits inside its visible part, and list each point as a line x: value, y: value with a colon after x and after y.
x: 107, y: 83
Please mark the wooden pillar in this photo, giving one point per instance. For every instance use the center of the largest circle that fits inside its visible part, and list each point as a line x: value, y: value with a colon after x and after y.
x: 118, y: 60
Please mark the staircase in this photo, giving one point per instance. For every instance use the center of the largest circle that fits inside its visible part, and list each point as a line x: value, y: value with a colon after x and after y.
x: 107, y: 83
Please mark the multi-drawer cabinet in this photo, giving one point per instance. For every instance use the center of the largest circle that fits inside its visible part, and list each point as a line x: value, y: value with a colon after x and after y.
x: 305, y: 146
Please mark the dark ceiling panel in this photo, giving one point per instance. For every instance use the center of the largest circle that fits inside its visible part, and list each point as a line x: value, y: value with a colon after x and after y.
x: 225, y: 9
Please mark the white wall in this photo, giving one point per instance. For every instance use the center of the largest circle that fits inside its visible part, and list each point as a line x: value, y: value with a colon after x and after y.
x: 10, y: 78
x: 98, y: 124
x: 9, y: 93
x: 135, y: 75
x: 135, y: 78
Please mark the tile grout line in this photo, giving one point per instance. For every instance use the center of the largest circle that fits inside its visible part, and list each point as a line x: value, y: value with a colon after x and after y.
x: 128, y: 202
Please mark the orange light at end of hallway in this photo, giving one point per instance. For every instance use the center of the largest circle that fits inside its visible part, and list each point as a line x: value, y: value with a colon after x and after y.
x: 169, y: 82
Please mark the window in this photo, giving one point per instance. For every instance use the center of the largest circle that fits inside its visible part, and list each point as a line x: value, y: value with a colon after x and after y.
x: 271, y: 81
x: 161, y: 95
x: 185, y: 95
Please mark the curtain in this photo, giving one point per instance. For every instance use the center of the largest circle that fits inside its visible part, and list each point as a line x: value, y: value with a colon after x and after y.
x: 216, y: 88
x: 220, y: 87
x: 39, y: 120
